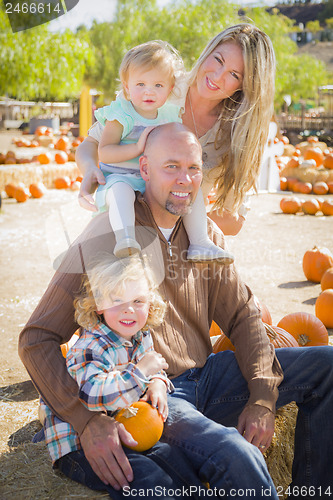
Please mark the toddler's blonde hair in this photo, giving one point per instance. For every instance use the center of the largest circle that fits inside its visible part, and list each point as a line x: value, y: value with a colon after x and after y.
x: 151, y: 55
x: 109, y: 277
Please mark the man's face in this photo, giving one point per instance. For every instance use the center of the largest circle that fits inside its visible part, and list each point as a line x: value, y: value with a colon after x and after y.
x: 172, y: 169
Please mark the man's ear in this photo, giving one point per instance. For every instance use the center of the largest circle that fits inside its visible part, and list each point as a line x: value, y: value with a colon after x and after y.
x: 143, y: 162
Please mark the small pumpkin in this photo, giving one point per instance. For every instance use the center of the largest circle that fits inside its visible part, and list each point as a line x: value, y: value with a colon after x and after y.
x: 61, y: 157
x: 311, y: 207
x: 62, y: 182
x: 320, y: 188
x: 67, y: 345
x: 280, y: 337
x: 283, y: 183
x: 327, y: 207
x: 277, y: 336
x: 324, y: 307
x: 328, y: 160
x: 44, y: 158
x: 63, y: 144
x: 291, y: 181
x: 21, y: 194
x: 330, y: 187
x: 290, y: 205
x: 143, y: 422
x: 315, y: 263
x: 306, y: 328
x: 265, y: 314
x: 314, y: 154
x: 37, y: 189
x: 303, y: 187
x: 327, y: 279
x: 214, y: 329
x: 10, y: 189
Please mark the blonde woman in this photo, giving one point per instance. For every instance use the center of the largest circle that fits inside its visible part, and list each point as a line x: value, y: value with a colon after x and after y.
x: 227, y: 101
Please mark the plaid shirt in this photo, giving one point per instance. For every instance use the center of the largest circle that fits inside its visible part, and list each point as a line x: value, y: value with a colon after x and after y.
x: 104, y: 366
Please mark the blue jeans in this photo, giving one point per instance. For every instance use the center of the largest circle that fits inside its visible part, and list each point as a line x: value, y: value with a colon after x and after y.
x: 205, y: 407
x: 162, y: 472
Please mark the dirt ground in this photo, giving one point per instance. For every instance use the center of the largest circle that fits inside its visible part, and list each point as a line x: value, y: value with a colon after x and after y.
x: 268, y: 252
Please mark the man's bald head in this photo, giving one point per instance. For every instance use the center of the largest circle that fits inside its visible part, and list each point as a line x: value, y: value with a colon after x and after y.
x: 172, y: 133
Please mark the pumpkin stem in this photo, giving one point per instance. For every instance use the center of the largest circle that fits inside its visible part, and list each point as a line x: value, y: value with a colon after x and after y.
x: 303, y: 339
x: 130, y: 412
x: 271, y: 333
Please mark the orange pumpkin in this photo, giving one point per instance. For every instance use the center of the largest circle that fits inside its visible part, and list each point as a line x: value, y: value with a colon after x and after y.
x: 277, y: 336
x: 37, y: 190
x: 312, y: 138
x: 315, y: 263
x: 10, y: 189
x: 324, y: 307
x: 21, y: 194
x: 265, y: 314
x: 40, y: 130
x: 327, y: 279
x: 44, y: 158
x: 290, y: 205
x: 143, y: 422
x: 327, y: 207
x: 65, y: 347
x: 315, y: 154
x: 291, y: 181
x: 61, y: 157
x: 214, y: 329
x: 223, y: 343
x: 328, y: 160
x: 330, y: 187
x: 283, y: 183
x: 280, y: 337
x: 62, y: 182
x: 320, y: 188
x: 311, y: 207
x: 307, y: 329
x: 303, y: 187
x: 293, y: 162
x: 63, y: 143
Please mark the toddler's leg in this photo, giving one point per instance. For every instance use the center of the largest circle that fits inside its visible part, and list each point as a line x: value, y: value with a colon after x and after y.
x: 120, y: 200
x: 201, y: 247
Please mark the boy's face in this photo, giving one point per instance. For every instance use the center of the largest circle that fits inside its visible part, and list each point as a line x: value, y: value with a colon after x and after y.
x: 126, y: 313
x: 148, y: 90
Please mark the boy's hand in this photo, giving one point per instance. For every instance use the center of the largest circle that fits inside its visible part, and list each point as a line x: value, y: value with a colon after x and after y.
x: 152, y: 363
x: 157, y: 395
x: 141, y: 144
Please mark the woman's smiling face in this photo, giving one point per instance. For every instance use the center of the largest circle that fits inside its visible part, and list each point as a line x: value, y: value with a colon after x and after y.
x: 221, y: 74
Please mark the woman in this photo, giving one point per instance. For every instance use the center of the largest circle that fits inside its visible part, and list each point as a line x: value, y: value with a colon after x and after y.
x: 227, y: 102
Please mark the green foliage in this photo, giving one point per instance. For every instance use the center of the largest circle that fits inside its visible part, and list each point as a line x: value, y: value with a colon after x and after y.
x: 329, y: 23
x: 313, y: 26
x: 37, y: 64
x: 327, y: 12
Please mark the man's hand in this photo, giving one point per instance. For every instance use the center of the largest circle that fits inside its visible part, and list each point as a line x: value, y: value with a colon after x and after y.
x: 101, y: 443
x: 256, y: 424
x: 91, y: 180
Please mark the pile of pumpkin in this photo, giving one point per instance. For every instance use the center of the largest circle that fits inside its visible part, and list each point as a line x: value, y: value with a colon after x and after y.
x: 22, y: 193
x: 311, y: 206
x: 44, y: 137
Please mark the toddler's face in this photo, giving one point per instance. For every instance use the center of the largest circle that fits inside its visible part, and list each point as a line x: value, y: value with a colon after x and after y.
x: 127, y: 313
x: 148, y: 90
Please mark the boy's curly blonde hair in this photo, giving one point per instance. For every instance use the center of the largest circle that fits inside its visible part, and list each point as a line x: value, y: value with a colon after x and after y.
x: 109, y: 277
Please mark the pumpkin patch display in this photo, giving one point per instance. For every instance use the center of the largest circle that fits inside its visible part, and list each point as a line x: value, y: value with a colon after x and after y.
x: 307, y: 329
x: 324, y: 307
x: 143, y: 422
x: 315, y: 263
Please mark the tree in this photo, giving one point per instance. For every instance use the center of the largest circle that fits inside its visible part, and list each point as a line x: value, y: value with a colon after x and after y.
x: 37, y: 64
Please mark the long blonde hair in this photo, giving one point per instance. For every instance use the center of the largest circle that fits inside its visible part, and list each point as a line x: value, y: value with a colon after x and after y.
x: 108, y: 277
x: 245, y: 116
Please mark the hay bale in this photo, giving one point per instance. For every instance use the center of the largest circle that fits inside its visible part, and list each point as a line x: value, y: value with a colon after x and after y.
x: 279, y: 456
x: 34, y: 172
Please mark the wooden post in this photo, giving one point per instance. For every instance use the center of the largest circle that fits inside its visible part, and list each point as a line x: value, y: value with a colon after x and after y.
x: 85, y: 111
